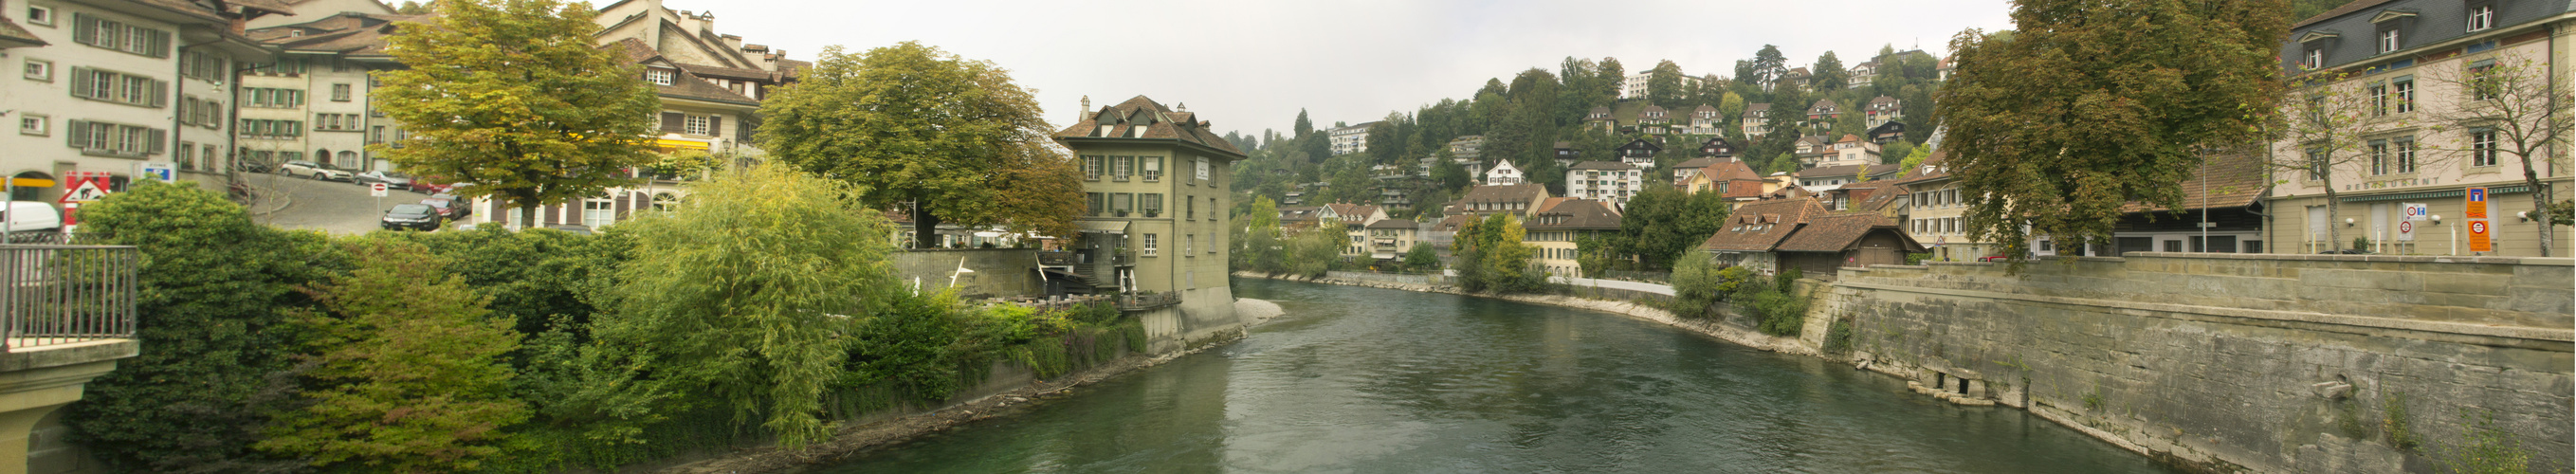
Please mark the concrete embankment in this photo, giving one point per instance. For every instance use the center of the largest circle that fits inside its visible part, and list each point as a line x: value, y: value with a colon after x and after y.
x: 2214, y: 363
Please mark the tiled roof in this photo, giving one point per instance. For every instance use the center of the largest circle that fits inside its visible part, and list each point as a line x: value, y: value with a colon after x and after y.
x: 1392, y: 224
x: 1704, y: 108
x: 1504, y: 193
x: 1297, y: 213
x: 1835, y: 233
x: 1452, y: 223
x: 1750, y: 109
x: 1164, y: 124
x: 2356, y: 5
x: 1601, y: 165
x: 1698, y: 163
x: 684, y: 84
x: 1850, y: 138
x: 1576, y: 214
x: 1847, y: 170
x: 2235, y: 180
x: 1759, y: 227
x: 1352, y: 210
x: 1550, y: 203
x: 347, y: 33
x: 1882, y: 100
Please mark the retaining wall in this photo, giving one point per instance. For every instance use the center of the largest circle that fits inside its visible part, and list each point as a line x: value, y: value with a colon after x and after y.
x: 998, y: 273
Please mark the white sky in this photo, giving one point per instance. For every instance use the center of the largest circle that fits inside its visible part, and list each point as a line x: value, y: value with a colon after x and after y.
x: 1249, y: 65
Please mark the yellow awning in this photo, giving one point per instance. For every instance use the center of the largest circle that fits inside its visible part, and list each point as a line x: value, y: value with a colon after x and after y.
x: 680, y: 144
x: 31, y: 182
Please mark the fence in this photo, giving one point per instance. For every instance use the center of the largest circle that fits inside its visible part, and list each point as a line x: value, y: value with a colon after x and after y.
x: 1648, y: 277
x: 66, y: 294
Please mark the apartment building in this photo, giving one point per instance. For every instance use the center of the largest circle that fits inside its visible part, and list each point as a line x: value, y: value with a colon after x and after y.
x: 1351, y: 139
x: 1635, y: 86
x: 1936, y: 213
x: 112, y: 86
x: 1148, y: 230
x: 1756, y: 124
x: 1606, y: 181
x: 1559, y: 227
x: 2409, y: 57
x: 1883, y: 109
x: 315, y: 101
x: 1704, y: 120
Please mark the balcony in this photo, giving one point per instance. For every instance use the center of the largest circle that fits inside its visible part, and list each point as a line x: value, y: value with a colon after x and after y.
x: 62, y: 295
x: 1147, y: 300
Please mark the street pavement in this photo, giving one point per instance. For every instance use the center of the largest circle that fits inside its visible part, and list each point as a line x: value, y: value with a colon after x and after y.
x: 330, y: 206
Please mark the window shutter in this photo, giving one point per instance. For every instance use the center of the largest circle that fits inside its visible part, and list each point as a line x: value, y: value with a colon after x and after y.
x: 160, y: 94
x: 160, y: 140
x: 671, y: 122
x: 80, y: 82
x: 84, y: 31
x: 160, y: 44
x: 79, y: 131
x: 715, y: 125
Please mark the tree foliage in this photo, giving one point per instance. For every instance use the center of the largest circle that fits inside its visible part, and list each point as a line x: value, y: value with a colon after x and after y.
x: 1830, y: 75
x: 1662, y: 222
x: 512, y: 96
x: 912, y: 124
x: 407, y: 373
x: 2053, y: 143
x: 2525, y: 108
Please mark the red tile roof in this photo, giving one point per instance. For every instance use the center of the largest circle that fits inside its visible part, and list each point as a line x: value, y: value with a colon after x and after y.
x: 1833, y: 233
x: 1759, y: 227
x: 1162, y: 124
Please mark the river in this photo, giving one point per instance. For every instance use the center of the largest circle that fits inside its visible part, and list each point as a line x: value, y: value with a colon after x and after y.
x: 1369, y: 380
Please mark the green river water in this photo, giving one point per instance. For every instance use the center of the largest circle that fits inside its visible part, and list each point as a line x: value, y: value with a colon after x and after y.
x: 1368, y: 380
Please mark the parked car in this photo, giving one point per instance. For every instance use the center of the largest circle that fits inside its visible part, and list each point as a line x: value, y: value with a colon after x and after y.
x: 251, y: 166
x: 448, y: 207
x: 1993, y: 258
x: 411, y: 216
x: 317, y: 171
x: 430, y: 185
x: 395, y: 180
x: 32, y: 222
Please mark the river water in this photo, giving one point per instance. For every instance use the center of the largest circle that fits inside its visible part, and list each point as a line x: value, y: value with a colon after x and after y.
x: 1368, y: 380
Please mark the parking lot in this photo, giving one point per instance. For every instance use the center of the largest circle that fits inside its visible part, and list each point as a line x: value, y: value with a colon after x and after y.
x: 331, y: 206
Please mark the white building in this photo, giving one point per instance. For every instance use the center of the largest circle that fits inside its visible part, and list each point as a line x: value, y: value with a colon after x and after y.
x: 1635, y: 85
x: 1503, y: 174
x: 108, y: 85
x: 1606, y: 181
x: 1351, y: 139
x: 315, y: 101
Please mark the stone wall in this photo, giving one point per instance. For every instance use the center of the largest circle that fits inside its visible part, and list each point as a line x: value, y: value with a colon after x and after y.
x: 999, y: 273
x: 2223, y: 362
x: 1409, y: 279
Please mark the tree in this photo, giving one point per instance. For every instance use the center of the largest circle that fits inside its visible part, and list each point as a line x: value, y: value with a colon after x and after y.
x: 1606, y: 91
x: 1913, y: 164
x: 1895, y: 152
x: 2050, y: 143
x: 210, y: 303
x: 2518, y: 103
x: 1731, y: 108
x: 1768, y: 67
x: 742, y: 299
x: 2330, y: 122
x: 1664, y: 85
x: 411, y: 8
x: 512, y: 96
x: 1447, y: 173
x: 1830, y: 75
x: 1386, y: 139
x: 1303, y: 127
x: 1421, y: 258
x: 913, y: 125
x: 407, y: 374
x: 1661, y: 222
x: 1313, y: 251
x: 1257, y: 245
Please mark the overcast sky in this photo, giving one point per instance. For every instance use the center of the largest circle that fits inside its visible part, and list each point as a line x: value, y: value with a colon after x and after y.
x: 1249, y: 65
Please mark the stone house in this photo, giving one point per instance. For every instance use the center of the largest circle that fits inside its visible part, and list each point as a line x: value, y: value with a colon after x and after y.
x: 1156, y: 232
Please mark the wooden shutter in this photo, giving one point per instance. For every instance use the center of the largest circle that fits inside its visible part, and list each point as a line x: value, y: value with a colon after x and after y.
x: 80, y: 82
x: 84, y: 31
x: 79, y: 132
x: 160, y: 140
x: 671, y: 122
x: 715, y: 125
x: 160, y: 94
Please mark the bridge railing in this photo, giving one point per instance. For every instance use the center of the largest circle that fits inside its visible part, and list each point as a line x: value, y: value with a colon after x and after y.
x: 66, y: 294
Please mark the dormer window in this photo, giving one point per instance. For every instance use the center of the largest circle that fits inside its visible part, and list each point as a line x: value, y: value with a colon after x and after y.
x: 2481, y: 16
x: 2315, y: 59
x: 1103, y: 131
x: 2389, y: 41
x: 658, y: 76
x: 1136, y: 132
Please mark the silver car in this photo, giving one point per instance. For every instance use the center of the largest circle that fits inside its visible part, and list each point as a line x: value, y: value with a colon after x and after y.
x: 317, y: 171
x: 391, y: 179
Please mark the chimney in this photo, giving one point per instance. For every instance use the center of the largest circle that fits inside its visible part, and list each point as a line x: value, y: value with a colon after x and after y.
x: 1086, y: 109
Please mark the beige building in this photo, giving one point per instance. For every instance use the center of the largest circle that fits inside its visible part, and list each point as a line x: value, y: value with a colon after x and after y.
x: 1559, y: 227
x: 2408, y: 55
x: 1391, y: 238
x: 113, y: 86
x: 1355, y: 220
x: 1936, y: 213
x: 316, y: 102
x: 1156, y: 183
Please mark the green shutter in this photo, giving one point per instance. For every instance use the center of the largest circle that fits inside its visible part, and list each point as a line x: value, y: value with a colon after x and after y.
x: 84, y: 31
x: 160, y: 140
x: 160, y: 94
x: 80, y: 82
x: 79, y: 130
x: 160, y: 44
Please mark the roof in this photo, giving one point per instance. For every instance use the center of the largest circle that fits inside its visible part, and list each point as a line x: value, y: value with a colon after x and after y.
x: 1347, y: 210
x: 2356, y: 5
x: 11, y: 32
x: 1162, y: 124
x: 1641, y: 144
x: 1601, y: 165
x: 2235, y: 180
x: 1298, y: 213
x: 1392, y: 224
x: 1882, y: 100
x: 1576, y: 214
x: 1452, y: 223
x: 1704, y: 108
x: 684, y: 84
x: 1823, y: 104
x: 1504, y: 193
x: 1698, y: 163
x: 1749, y: 109
x: 1850, y: 138
x: 1760, y: 226
x: 346, y: 33
x: 1838, y: 232
x: 1847, y: 170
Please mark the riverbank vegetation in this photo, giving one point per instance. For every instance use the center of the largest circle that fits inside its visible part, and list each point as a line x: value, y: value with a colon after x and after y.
x: 760, y: 309
x: 1772, y: 304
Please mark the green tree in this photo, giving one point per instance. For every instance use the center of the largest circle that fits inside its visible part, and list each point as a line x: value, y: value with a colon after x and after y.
x: 1258, y: 248
x: 1894, y: 152
x: 913, y: 124
x: 1313, y: 251
x: 1913, y: 164
x: 1664, y: 85
x: 1606, y: 90
x: 1768, y: 67
x: 1696, y: 285
x: 1661, y: 222
x: 2055, y: 144
x: 407, y: 370
x: 1830, y: 74
x: 1304, y: 127
x: 741, y: 300
x: 1731, y: 108
x: 210, y: 303
x: 512, y: 96
x: 1421, y: 258
x: 1386, y: 139
x: 2525, y: 111
x: 1447, y: 173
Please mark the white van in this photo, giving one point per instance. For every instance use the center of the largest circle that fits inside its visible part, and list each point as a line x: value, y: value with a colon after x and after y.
x: 27, y: 219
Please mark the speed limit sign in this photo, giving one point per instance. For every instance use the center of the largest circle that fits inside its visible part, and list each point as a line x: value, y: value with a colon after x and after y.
x: 376, y: 189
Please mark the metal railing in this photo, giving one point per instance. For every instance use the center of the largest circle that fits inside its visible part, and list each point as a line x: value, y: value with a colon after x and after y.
x: 66, y: 294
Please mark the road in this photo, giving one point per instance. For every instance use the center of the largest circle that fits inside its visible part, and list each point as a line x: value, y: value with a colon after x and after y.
x: 331, y: 206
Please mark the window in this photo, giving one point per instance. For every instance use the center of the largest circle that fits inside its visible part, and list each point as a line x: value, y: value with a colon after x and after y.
x: 2388, y: 40
x: 117, y: 140
x: 1190, y: 208
x: 1122, y: 202
x: 2315, y: 59
x: 1152, y: 166
x: 376, y: 135
x: 186, y: 157
x: 40, y: 70
x: 2405, y: 155
x: 38, y: 125
x: 1152, y: 203
x: 598, y: 213
x: 2378, y: 92
x: 1091, y: 167
x: 1097, y: 203
x: 2482, y: 148
x: 2316, y: 164
x: 2482, y: 80
x: 272, y: 98
x: 339, y: 92
x: 698, y: 125
x: 283, y: 67
x: 1190, y: 244
x: 657, y: 76
x: 1123, y: 166
x: 2404, y: 90
x: 111, y: 34
x: 116, y: 87
x: 2481, y: 17
x: 202, y: 65
x: 1149, y: 248
x: 40, y: 16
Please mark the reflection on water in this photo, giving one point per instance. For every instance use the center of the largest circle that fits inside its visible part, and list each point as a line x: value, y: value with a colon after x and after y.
x: 1368, y: 380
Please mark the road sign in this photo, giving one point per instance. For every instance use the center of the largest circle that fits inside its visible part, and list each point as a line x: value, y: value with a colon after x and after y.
x: 2478, y: 241
x: 2405, y: 231
x: 2477, y: 203
x: 376, y: 189
x: 158, y: 171
x: 2416, y: 211
x: 85, y: 187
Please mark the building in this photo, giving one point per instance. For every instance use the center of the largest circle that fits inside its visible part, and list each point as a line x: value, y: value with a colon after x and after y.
x: 1704, y: 120
x: 1566, y: 154
x: 1159, y: 233
x: 115, y: 86
x: 2413, y: 53
x: 1636, y: 86
x: 1299, y: 217
x: 1752, y: 234
x: 1389, y: 239
x: 1812, y: 149
x: 1599, y: 119
x: 1717, y: 147
x: 2227, y: 193
x: 1823, y: 113
x: 1558, y: 230
x: 1796, y: 77
x: 1639, y: 153
x: 1935, y: 212
x: 317, y: 97
x: 1733, y: 179
x: 1883, y: 109
x: 1852, y: 150
x: 1351, y: 139
x: 1514, y: 199
x: 1355, y: 219
x: 1756, y: 124
x: 1886, y: 133
x: 1606, y: 181
x: 1682, y: 172
x: 1864, y: 74
x: 1821, y: 178
x: 1654, y: 120
x: 1504, y: 174
x: 1830, y: 242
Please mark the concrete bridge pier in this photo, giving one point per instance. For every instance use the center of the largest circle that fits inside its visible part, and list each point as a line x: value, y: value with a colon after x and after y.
x: 36, y: 381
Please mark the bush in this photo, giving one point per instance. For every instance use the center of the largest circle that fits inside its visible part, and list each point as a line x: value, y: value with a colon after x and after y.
x: 1838, y: 337
x: 1697, y: 286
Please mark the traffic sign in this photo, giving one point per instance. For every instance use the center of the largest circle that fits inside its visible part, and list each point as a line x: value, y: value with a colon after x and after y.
x: 156, y: 170
x: 376, y: 189
x: 85, y: 187
x: 2416, y: 211
x: 2406, y: 231
x: 2478, y: 241
x: 2477, y: 203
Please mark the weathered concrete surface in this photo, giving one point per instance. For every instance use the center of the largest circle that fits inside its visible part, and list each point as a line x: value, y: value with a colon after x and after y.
x: 998, y: 273
x: 2262, y: 363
